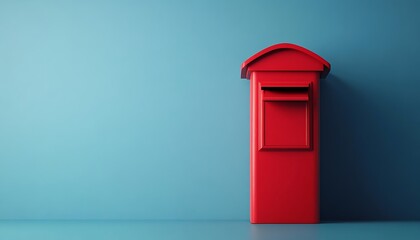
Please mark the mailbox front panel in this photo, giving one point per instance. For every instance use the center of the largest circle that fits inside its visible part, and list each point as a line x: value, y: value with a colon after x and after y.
x: 284, y: 147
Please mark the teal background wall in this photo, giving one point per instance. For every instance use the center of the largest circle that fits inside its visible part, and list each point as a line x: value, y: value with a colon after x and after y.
x: 135, y: 109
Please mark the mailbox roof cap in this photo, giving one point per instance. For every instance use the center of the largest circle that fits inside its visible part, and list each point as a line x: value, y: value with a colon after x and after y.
x: 282, y: 46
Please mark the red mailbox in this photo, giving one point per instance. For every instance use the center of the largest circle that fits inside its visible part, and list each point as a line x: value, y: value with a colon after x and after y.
x: 284, y: 133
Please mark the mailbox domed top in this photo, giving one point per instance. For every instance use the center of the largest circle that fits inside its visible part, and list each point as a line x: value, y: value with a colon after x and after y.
x: 285, y: 57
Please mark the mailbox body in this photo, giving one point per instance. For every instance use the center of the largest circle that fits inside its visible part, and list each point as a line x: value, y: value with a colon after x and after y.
x: 284, y: 147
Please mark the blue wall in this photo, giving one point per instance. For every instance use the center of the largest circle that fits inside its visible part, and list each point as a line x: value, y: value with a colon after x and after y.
x: 135, y: 109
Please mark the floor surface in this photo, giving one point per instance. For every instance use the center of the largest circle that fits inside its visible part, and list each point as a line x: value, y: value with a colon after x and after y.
x: 219, y: 230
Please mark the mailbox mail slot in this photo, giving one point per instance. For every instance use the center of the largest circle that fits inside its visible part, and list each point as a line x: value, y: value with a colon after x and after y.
x: 284, y: 149
x: 285, y: 117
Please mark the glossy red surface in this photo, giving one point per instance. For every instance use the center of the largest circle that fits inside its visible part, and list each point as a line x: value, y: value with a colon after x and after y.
x: 285, y: 133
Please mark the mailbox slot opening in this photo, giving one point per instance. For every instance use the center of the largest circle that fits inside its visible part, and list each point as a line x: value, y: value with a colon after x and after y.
x: 285, y: 117
x: 285, y: 93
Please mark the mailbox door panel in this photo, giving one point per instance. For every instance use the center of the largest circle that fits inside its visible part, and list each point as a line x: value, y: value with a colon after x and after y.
x: 284, y: 147
x: 285, y: 124
x: 285, y: 116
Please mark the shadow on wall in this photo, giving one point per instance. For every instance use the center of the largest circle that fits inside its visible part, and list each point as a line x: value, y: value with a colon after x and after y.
x: 370, y: 167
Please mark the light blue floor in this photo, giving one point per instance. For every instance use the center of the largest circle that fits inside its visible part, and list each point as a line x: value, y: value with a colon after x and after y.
x: 215, y: 230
